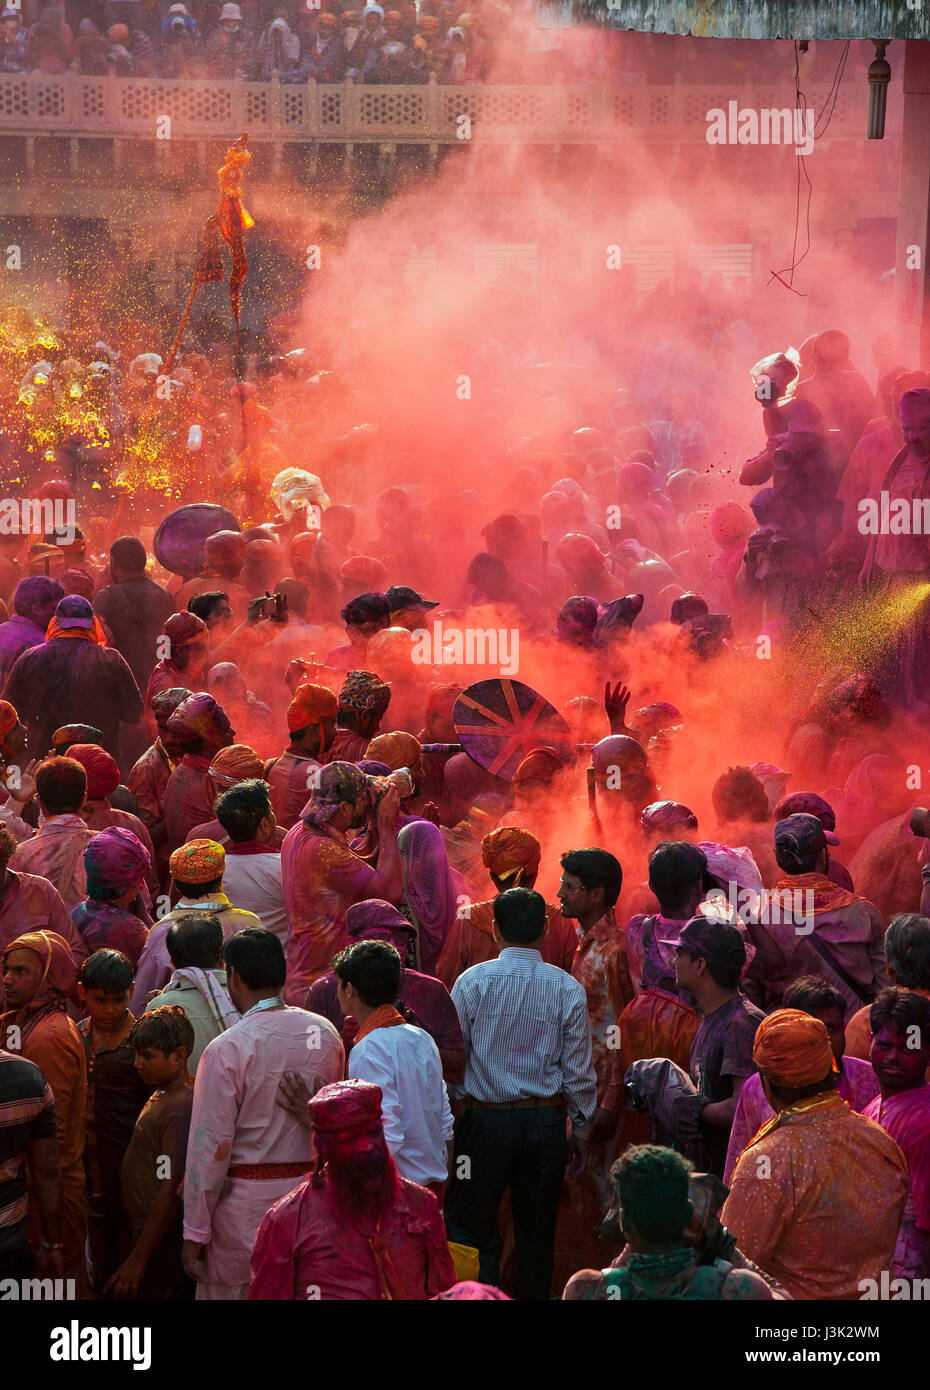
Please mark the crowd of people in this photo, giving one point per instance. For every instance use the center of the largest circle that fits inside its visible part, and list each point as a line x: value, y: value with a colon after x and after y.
x: 325, y: 975
x: 258, y: 41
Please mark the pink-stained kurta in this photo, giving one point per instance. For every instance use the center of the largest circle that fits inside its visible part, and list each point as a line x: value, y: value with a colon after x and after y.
x: 857, y: 1084
x: 906, y: 1117
x: 57, y: 853
x: 321, y: 878
x: 236, y: 1120
x: 31, y: 903
x: 306, y: 1251
x: 186, y: 799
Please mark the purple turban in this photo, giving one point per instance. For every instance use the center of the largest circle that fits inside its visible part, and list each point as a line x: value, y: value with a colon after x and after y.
x: 199, y: 716
x: 115, y: 860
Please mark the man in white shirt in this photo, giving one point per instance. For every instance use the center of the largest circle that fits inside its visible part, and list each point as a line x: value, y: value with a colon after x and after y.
x: 401, y: 1059
x: 253, y: 862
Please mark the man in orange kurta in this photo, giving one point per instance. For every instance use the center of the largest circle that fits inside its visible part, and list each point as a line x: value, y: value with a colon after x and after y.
x: 38, y: 977
x: 817, y: 1196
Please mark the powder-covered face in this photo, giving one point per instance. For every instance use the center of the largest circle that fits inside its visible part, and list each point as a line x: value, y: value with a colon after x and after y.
x: 357, y: 1151
x: 22, y: 971
x: 899, y: 1058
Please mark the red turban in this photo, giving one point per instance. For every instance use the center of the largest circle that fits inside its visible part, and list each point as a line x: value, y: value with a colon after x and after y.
x: 101, y: 768
x: 345, y: 1105
x: 183, y: 628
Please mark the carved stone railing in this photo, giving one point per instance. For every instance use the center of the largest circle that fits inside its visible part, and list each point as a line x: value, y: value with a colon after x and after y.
x: 561, y: 113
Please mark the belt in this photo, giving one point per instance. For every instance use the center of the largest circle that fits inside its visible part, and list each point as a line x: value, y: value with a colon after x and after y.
x: 270, y: 1170
x: 534, y: 1103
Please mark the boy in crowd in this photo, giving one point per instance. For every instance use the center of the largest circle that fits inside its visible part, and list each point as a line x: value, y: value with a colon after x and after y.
x: 115, y: 1095
x: 154, y: 1164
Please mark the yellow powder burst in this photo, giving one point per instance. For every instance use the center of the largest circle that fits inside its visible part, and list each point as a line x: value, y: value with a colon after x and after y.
x: 863, y: 633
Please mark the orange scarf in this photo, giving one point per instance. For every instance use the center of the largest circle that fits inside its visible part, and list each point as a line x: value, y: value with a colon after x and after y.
x: 386, y: 1016
x: 93, y: 634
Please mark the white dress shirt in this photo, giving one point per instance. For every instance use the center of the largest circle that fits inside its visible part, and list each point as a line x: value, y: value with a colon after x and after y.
x: 404, y: 1061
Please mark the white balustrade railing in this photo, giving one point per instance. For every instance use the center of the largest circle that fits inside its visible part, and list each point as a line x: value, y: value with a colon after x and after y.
x: 559, y: 113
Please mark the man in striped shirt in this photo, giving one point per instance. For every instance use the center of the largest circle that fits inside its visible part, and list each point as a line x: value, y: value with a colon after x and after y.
x: 528, y: 1059
x: 28, y: 1139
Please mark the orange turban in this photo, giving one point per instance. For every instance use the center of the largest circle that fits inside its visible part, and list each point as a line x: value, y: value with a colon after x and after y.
x: 8, y: 720
x: 197, y: 861
x: 311, y: 705
x: 230, y: 765
x: 511, y: 853
x: 396, y: 750
x: 792, y: 1049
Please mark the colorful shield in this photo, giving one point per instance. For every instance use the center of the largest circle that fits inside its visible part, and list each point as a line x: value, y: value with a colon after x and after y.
x: 500, y: 721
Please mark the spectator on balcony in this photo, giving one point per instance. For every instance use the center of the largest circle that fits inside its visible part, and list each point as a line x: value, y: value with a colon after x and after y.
x: 279, y: 47
x: 229, y: 50
x: 49, y: 43
x: 177, y: 19
x: 325, y: 58
x: 180, y: 55
x: 419, y: 68
x: 89, y: 52
x: 349, y: 29
x: 371, y: 38
x: 12, y: 43
x: 455, y: 56
x: 130, y: 53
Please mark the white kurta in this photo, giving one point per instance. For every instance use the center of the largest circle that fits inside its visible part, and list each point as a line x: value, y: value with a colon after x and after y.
x: 236, y: 1119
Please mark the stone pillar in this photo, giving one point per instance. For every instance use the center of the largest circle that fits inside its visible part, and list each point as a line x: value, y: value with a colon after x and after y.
x: 912, y: 288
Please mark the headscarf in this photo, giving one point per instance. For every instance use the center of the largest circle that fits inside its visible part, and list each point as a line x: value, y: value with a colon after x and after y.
x: 429, y: 898
x: 363, y: 691
x: 792, y: 1049
x: 114, y: 859
x: 57, y: 982
x: 510, y: 852
x: 69, y: 734
x: 667, y: 816
x: 166, y: 702
x: 182, y: 629
x: 232, y: 764
x: 335, y: 783
x: 101, y: 768
x: 197, y: 861
x: 397, y: 749
x: 808, y: 804
x: 199, y: 716
x: 312, y: 704
x: 375, y: 917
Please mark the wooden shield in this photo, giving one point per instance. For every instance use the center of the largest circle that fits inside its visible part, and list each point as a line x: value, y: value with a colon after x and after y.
x: 500, y: 721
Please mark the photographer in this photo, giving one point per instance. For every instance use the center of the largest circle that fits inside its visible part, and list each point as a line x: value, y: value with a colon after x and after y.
x: 179, y: 43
